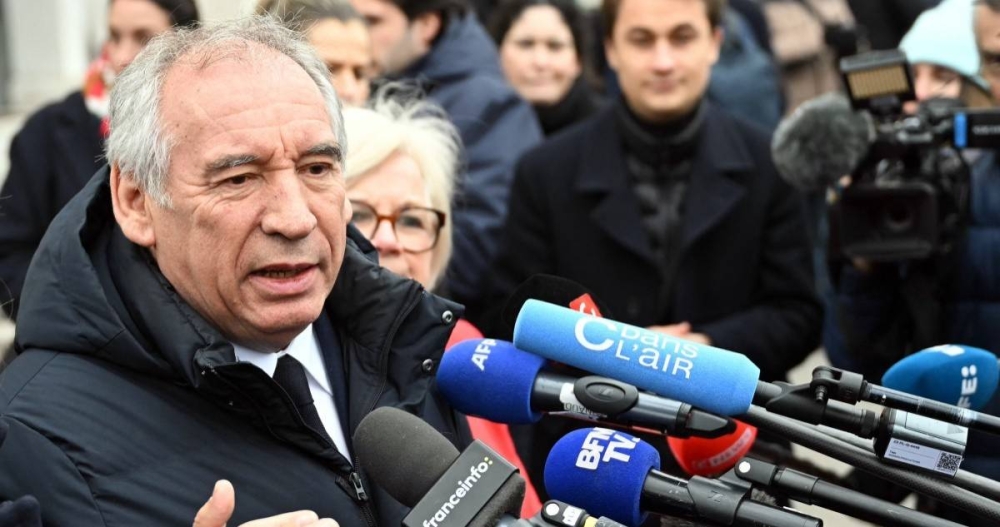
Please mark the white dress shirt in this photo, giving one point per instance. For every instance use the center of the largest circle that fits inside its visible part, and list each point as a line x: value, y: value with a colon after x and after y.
x: 305, y: 349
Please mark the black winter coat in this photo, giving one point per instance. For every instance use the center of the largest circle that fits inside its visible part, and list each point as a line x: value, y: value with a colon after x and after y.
x: 745, y: 273
x: 125, y: 406
x: 51, y: 159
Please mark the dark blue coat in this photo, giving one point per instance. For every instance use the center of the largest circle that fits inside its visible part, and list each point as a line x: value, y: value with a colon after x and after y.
x: 462, y: 73
x: 125, y: 406
x: 51, y: 159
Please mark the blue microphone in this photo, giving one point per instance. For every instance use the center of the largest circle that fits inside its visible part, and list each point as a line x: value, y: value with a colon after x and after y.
x: 490, y: 379
x: 713, y: 379
x: 603, y: 468
x: 494, y: 380
x: 616, y: 475
x: 960, y: 375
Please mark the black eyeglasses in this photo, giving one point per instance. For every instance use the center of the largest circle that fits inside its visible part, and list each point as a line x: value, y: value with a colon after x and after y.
x: 416, y: 228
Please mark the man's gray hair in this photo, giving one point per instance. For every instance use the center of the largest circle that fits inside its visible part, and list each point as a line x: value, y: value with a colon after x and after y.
x: 300, y: 15
x: 138, y: 143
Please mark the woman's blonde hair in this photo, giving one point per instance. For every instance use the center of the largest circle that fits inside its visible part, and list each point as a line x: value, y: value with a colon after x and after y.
x: 405, y: 124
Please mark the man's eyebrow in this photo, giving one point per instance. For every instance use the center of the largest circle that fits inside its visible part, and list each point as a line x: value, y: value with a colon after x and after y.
x: 232, y: 161
x: 326, y: 149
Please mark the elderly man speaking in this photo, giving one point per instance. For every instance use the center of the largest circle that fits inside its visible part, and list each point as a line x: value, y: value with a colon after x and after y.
x: 201, y: 311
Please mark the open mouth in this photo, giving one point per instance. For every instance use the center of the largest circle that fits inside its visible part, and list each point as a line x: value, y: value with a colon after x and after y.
x: 282, y: 272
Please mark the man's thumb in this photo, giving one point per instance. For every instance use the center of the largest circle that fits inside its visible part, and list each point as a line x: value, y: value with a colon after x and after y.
x: 219, y: 508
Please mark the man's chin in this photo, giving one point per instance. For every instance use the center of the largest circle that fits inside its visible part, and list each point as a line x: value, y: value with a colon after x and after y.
x: 274, y: 330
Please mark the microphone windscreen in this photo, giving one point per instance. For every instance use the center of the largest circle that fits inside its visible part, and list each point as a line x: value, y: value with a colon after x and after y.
x: 601, y: 471
x: 712, y: 379
x: 822, y: 141
x: 490, y: 379
x: 700, y: 456
x: 401, y: 453
x: 554, y: 290
x: 960, y: 375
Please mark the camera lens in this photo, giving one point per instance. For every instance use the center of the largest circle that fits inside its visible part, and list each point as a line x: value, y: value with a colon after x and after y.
x: 898, y: 217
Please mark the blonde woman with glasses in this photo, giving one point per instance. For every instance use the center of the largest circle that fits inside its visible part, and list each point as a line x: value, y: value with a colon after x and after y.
x: 402, y: 160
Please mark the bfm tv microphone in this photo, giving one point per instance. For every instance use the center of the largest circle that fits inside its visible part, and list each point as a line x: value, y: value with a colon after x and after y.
x: 617, y: 474
x: 713, y: 379
x: 702, y: 456
x: 964, y: 376
x: 421, y: 469
x: 509, y: 386
x: 822, y: 141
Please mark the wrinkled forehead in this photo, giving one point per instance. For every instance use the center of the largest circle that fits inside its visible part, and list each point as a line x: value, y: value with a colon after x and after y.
x: 237, y: 93
x: 243, y: 76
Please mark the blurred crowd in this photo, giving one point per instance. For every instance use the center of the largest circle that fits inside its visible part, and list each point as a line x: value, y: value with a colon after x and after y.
x: 625, y: 147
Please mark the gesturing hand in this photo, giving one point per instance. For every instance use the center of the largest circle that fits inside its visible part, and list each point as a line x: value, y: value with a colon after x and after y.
x: 219, y: 508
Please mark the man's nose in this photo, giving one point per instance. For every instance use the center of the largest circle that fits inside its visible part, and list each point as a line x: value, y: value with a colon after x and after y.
x: 288, y: 210
x: 663, y: 56
x: 350, y: 88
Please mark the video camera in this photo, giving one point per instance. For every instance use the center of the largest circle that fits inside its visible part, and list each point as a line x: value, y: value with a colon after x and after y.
x: 909, y: 196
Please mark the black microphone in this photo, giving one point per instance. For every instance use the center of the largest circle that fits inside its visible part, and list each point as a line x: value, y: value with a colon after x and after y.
x: 421, y: 469
x: 822, y: 141
x: 554, y: 290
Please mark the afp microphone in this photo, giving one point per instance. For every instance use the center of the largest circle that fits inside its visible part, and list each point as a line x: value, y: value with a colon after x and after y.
x: 964, y: 376
x: 616, y: 475
x: 716, y: 380
x: 822, y: 141
x: 496, y: 381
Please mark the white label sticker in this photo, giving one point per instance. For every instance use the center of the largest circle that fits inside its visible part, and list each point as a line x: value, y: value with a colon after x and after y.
x: 923, y: 456
x: 572, y: 405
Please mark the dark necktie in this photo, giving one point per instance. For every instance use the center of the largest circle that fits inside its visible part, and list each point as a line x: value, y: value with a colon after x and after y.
x: 291, y: 375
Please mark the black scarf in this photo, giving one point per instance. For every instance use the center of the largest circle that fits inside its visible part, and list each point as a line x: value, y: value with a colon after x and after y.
x: 579, y: 103
x: 658, y: 158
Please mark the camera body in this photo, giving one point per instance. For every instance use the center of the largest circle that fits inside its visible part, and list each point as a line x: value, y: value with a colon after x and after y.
x: 909, y: 196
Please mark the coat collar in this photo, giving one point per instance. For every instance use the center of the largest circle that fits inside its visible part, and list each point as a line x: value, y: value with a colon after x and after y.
x: 721, y: 160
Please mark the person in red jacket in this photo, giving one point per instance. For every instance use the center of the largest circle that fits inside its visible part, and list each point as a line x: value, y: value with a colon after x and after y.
x: 401, y: 163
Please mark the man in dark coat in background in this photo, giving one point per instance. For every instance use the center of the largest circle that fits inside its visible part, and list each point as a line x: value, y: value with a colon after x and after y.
x: 442, y: 46
x: 181, y: 324
x: 62, y: 145
x: 669, y: 210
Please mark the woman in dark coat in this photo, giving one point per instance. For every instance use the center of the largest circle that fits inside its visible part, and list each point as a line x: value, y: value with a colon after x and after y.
x: 62, y: 145
x: 543, y: 47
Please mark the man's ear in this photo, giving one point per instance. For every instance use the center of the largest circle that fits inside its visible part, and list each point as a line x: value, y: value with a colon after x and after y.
x: 426, y: 28
x: 611, y: 53
x: 132, y: 209
x: 718, y: 36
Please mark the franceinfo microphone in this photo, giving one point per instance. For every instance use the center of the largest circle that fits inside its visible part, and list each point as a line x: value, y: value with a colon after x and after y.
x: 963, y: 376
x: 713, y: 379
x: 421, y: 469
x: 496, y: 381
x: 615, y: 474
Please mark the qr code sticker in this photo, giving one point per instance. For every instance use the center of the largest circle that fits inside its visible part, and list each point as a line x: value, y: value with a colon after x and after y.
x: 949, y: 463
